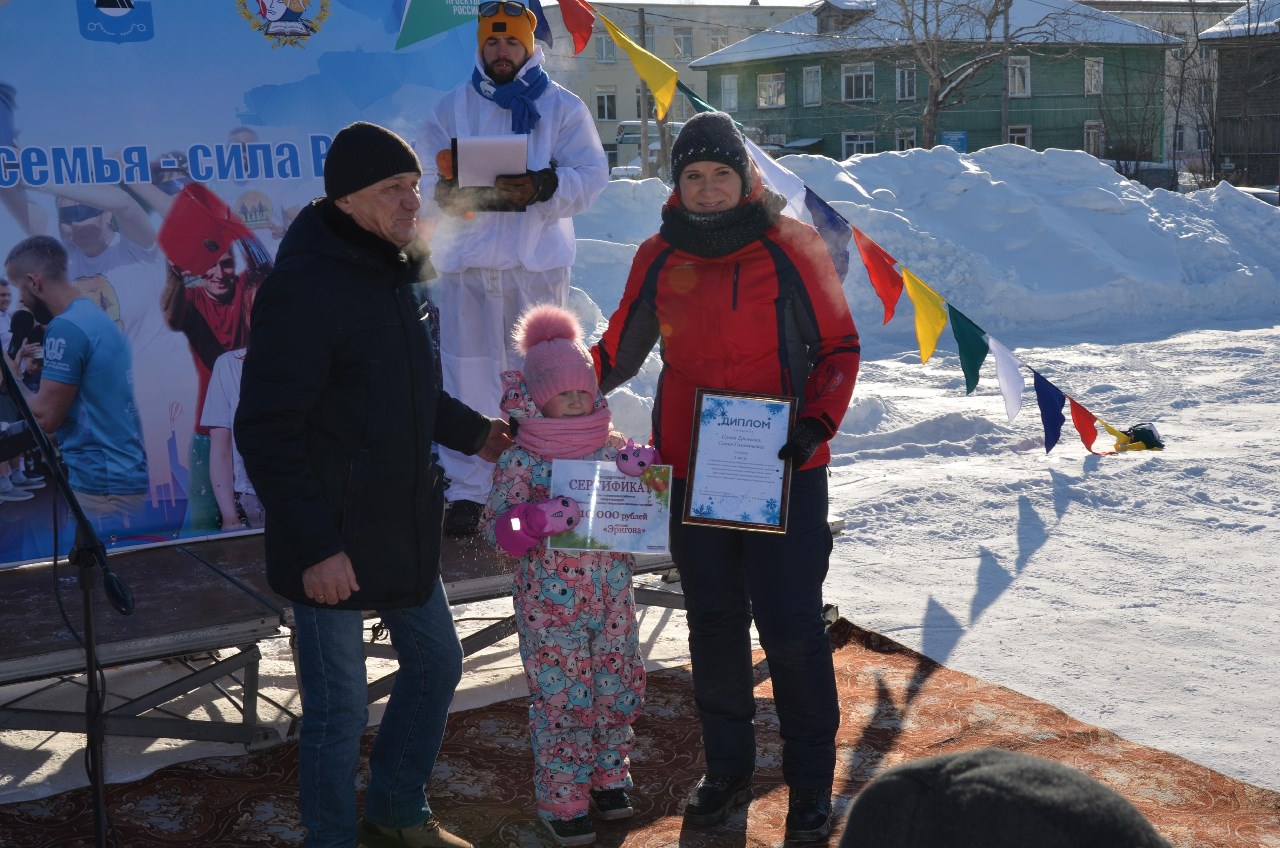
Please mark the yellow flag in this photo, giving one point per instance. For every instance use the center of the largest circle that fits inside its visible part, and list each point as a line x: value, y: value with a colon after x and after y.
x: 657, y: 74
x: 931, y: 313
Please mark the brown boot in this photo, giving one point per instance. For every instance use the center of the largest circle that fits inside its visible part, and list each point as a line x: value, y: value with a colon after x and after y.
x: 429, y: 834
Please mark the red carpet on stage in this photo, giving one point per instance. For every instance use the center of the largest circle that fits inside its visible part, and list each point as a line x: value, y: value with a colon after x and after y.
x: 897, y: 706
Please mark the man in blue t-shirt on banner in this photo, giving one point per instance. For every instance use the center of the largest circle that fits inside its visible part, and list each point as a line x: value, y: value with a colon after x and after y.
x: 86, y: 392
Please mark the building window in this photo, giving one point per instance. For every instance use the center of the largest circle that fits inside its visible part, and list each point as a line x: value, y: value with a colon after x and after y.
x: 1095, y: 138
x: 607, y: 103
x: 1179, y: 139
x: 905, y: 139
x: 1093, y: 76
x: 858, y: 82
x: 1179, y: 52
x: 647, y: 44
x: 606, y: 50
x: 855, y: 143
x: 906, y: 80
x: 611, y: 152
x: 684, y: 43
x: 729, y: 92
x: 813, y: 86
x: 1206, y: 94
x: 1020, y: 135
x: 771, y: 91
x: 1203, y: 53
x: 1202, y: 137
x: 719, y: 42
x: 1019, y: 76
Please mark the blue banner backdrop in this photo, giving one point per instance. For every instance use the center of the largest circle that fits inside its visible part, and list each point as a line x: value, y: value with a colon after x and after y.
x: 115, y: 105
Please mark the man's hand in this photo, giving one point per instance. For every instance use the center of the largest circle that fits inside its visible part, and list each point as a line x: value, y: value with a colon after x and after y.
x: 516, y: 189
x: 521, y: 190
x: 499, y: 439
x: 330, y: 580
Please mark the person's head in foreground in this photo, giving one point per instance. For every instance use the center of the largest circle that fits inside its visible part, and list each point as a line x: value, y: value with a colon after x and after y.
x: 992, y: 798
x: 372, y: 174
x: 557, y: 367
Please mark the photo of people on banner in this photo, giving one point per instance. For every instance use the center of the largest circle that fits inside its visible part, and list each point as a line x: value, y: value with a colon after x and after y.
x: 172, y: 264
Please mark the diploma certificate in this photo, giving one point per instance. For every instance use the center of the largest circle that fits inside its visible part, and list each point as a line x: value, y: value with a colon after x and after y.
x: 619, y: 512
x: 735, y: 477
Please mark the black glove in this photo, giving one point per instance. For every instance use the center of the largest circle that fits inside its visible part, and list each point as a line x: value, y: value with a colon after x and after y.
x: 805, y: 438
x: 521, y: 190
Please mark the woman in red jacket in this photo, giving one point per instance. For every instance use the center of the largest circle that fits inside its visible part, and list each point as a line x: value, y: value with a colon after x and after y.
x: 745, y: 299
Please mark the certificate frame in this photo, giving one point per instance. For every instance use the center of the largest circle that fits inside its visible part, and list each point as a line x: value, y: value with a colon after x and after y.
x: 734, y: 468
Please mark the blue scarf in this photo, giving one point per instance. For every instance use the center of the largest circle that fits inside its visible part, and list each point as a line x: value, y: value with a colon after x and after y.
x: 517, y: 95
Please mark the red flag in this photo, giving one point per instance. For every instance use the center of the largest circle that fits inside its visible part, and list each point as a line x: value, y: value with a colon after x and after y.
x: 1085, y: 426
x: 579, y: 19
x: 887, y: 282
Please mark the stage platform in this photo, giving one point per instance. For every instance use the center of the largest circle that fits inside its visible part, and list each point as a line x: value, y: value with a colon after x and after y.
x: 201, y: 598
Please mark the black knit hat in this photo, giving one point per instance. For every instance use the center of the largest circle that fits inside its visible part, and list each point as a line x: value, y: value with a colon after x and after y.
x: 363, y: 154
x: 712, y: 137
x: 993, y: 798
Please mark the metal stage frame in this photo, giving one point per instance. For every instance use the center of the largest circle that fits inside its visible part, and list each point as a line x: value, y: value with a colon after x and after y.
x: 194, y: 599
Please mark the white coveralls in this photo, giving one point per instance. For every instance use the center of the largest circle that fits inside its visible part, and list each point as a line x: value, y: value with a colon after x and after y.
x: 495, y: 265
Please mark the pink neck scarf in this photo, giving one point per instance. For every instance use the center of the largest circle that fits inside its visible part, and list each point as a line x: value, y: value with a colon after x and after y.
x: 565, y: 438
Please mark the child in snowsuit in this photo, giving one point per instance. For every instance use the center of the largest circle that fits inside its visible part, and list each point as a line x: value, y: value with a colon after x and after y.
x: 574, y: 610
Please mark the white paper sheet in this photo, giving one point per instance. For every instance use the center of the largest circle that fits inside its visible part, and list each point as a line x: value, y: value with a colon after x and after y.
x: 482, y: 158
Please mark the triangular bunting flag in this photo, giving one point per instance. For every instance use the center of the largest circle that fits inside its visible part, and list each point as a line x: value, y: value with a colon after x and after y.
x: 579, y: 19
x: 972, y: 345
x: 884, y: 279
x: 1084, y: 420
x: 541, y: 31
x: 779, y: 179
x: 833, y: 228
x: 1009, y: 373
x: 1050, y: 399
x: 931, y: 315
x: 657, y: 74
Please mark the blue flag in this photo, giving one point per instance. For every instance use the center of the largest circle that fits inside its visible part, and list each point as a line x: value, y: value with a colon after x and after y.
x: 1050, y: 399
x: 542, y: 31
x: 834, y: 229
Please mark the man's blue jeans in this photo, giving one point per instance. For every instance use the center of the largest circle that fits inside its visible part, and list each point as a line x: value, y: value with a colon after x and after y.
x: 332, y: 678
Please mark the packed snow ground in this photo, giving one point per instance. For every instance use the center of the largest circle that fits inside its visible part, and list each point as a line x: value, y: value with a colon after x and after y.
x: 1136, y: 592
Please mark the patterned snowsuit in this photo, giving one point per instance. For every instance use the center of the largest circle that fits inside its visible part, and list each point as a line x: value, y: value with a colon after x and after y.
x: 575, y: 616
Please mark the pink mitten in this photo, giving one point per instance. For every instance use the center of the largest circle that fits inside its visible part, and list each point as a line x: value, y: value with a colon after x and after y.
x: 519, y: 528
x: 634, y: 459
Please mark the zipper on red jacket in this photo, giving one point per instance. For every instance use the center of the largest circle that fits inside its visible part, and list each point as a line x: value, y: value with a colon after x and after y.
x: 736, y: 267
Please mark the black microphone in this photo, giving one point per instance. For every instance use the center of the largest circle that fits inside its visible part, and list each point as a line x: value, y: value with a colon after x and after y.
x: 21, y: 324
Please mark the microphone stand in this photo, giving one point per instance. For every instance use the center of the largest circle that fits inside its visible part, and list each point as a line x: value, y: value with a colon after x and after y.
x: 86, y: 552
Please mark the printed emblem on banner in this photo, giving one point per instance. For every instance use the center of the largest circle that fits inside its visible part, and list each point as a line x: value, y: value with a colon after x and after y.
x: 283, y: 22
x: 115, y: 20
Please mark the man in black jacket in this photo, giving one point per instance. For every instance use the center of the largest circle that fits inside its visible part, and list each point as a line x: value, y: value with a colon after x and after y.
x: 339, y: 405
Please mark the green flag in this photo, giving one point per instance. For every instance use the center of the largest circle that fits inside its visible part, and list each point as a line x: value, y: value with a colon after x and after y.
x: 973, y: 347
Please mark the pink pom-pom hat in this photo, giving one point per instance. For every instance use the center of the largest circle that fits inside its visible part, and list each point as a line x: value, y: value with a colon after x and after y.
x: 555, y: 360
